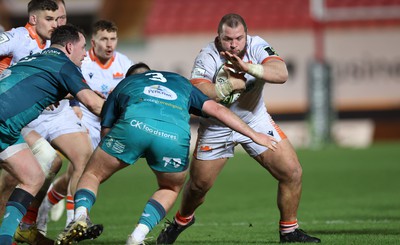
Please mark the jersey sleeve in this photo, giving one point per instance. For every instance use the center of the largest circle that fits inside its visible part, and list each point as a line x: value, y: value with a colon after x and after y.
x: 205, y: 65
x: 7, y: 45
x: 112, y: 108
x: 261, y: 50
x: 8, y: 42
x: 197, y: 99
x: 73, y: 78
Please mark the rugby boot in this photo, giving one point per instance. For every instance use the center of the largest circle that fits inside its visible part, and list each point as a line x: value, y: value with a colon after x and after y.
x: 298, y: 235
x: 73, y: 231
x: 171, y: 232
x: 92, y: 232
x: 31, y: 236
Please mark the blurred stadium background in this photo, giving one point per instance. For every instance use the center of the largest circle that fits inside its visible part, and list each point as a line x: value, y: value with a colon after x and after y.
x: 358, y: 40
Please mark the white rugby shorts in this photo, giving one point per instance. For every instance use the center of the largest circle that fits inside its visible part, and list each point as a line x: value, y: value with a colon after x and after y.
x: 221, y: 143
x: 52, y: 126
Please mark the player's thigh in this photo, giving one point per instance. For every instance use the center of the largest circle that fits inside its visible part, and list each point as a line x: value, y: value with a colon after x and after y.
x: 103, y: 165
x: 281, y: 163
x: 75, y: 146
x: 25, y: 168
x: 169, y: 149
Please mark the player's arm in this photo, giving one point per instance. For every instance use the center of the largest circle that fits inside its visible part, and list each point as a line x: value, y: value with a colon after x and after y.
x: 272, y: 70
x: 223, y: 114
x: 91, y: 100
x: 222, y: 88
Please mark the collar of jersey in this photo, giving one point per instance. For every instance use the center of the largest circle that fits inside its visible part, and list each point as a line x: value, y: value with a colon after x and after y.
x: 94, y: 58
x: 33, y: 34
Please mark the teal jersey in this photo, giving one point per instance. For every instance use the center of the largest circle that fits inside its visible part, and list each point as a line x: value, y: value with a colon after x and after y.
x: 158, y: 95
x: 149, y: 116
x: 32, y: 84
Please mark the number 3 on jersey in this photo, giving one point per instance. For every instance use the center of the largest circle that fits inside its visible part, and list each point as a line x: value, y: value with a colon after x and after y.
x: 156, y: 76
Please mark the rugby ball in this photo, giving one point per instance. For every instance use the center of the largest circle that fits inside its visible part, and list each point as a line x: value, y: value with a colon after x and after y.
x: 222, y: 76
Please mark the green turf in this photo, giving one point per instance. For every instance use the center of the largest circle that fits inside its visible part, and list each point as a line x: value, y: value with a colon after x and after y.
x: 350, y: 196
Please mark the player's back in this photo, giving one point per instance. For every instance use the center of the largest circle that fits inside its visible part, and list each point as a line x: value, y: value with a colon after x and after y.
x: 163, y: 96
x: 32, y: 84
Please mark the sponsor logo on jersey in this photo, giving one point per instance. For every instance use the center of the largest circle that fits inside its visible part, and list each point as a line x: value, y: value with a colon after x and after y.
x: 4, y: 38
x: 90, y: 75
x: 160, y: 92
x: 118, y: 75
x: 271, y: 51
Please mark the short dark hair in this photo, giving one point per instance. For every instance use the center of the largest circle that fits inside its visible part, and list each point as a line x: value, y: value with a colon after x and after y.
x: 66, y: 33
x: 231, y: 20
x: 101, y: 25
x: 132, y: 70
x: 35, y: 5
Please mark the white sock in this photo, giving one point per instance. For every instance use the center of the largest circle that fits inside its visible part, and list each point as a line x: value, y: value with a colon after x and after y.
x: 70, y: 216
x: 140, y: 232
x: 81, y: 211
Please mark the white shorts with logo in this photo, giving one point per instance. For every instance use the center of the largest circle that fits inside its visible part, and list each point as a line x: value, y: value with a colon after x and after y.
x: 220, y: 143
x: 51, y: 126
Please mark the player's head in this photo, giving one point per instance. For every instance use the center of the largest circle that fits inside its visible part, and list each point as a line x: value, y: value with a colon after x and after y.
x: 232, y: 34
x: 71, y: 40
x: 104, y: 40
x: 61, y: 13
x: 42, y: 16
x: 137, y: 69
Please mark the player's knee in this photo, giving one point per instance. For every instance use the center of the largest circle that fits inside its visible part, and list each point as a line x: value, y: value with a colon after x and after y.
x: 199, y: 187
x: 44, y: 153
x: 293, y: 173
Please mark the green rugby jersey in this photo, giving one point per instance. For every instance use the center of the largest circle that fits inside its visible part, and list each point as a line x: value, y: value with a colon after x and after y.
x: 32, y: 84
x: 158, y: 95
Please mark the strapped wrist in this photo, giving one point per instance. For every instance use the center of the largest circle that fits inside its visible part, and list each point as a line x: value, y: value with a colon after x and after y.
x: 256, y: 70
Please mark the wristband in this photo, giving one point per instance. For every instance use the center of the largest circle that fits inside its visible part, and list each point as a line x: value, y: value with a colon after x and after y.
x: 256, y: 70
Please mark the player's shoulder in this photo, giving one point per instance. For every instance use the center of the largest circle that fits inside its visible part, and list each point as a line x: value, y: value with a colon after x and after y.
x: 256, y: 40
x: 17, y: 33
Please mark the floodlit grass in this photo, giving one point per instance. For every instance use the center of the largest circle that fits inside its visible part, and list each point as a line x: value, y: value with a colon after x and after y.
x: 350, y: 196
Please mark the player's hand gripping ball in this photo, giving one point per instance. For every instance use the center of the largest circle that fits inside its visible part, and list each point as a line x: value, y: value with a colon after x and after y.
x: 223, y: 76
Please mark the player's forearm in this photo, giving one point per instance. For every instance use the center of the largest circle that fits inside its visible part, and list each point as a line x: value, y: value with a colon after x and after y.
x: 208, y: 89
x: 227, y: 117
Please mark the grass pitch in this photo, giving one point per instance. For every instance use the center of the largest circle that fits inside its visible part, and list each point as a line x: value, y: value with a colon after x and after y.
x: 350, y: 196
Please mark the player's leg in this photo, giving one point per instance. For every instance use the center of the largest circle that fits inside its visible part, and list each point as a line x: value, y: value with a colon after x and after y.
x: 50, y: 163
x: 78, y: 149
x: 23, y: 166
x: 100, y: 167
x: 170, y: 184
x: 284, y: 165
x: 55, y: 194
x: 203, y: 174
x: 7, y: 186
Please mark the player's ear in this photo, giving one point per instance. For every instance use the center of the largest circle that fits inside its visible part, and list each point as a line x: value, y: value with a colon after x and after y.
x: 32, y: 19
x: 69, y: 47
